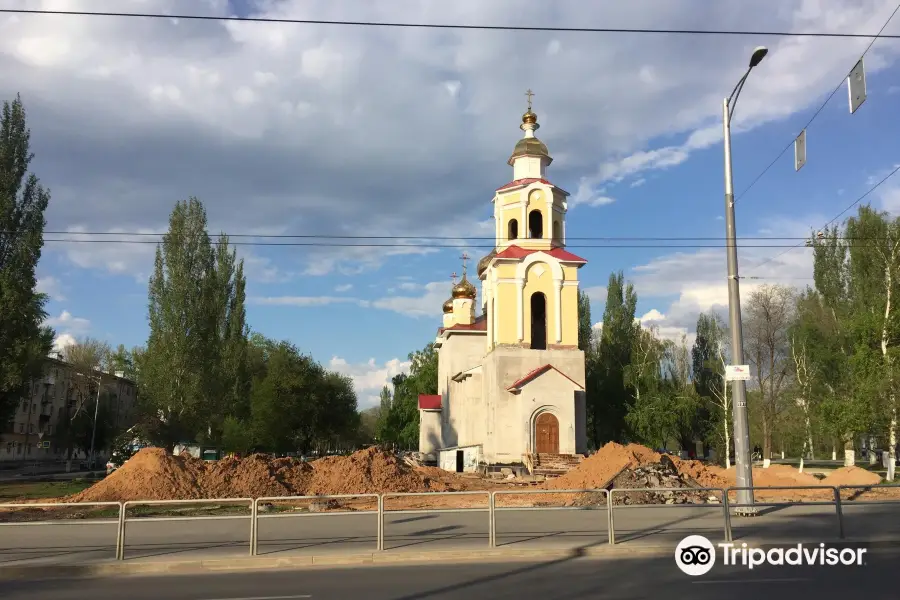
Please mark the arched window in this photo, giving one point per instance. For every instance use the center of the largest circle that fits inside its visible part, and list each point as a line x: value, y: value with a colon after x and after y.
x: 538, y: 321
x: 557, y: 231
x: 513, y: 232
x: 535, y: 224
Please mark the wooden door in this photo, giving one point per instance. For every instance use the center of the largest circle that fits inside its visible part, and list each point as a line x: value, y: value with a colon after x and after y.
x: 546, y: 434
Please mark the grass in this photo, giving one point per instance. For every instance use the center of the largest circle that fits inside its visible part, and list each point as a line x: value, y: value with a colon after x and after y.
x: 32, y: 490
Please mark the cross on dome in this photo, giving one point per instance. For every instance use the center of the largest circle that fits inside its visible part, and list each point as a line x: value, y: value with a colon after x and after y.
x: 464, y: 257
x: 529, y: 94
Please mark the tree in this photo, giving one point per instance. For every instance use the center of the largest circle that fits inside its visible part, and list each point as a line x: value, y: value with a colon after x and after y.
x: 585, y: 327
x: 874, y: 265
x: 610, y: 402
x: 768, y: 316
x: 180, y: 361
x: 87, y: 359
x: 401, y: 425
x: 708, y: 362
x: 24, y: 341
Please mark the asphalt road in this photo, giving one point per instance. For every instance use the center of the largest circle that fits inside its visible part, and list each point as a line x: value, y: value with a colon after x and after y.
x: 570, y: 579
x: 80, y: 542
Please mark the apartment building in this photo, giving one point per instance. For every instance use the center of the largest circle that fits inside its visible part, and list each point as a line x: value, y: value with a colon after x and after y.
x: 33, y: 432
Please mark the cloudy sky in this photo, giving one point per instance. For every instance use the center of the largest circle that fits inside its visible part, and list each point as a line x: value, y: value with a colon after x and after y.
x: 287, y: 129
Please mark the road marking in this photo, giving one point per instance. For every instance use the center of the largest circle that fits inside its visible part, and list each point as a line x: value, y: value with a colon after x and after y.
x: 780, y: 580
x: 267, y: 597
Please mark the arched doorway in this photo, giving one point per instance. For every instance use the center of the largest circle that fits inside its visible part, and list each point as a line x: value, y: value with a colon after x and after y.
x: 538, y: 321
x: 513, y: 230
x: 546, y: 434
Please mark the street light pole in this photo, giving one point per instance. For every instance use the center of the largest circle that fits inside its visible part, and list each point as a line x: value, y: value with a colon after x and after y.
x: 743, y: 468
x: 94, y: 430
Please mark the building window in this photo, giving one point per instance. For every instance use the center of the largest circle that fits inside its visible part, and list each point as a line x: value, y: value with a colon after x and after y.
x: 538, y: 321
x: 535, y: 225
x: 513, y: 230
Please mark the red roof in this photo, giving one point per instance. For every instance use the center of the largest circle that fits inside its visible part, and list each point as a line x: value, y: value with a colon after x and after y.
x: 533, y: 374
x: 529, y: 181
x: 429, y: 402
x: 557, y: 253
x: 480, y: 324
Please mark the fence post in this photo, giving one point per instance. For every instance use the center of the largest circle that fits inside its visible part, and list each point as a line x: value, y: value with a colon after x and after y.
x: 839, y: 510
x: 609, y: 517
x: 380, y: 534
x: 122, y: 527
x: 492, y: 520
x: 120, y: 533
x: 727, y: 515
x: 253, y: 526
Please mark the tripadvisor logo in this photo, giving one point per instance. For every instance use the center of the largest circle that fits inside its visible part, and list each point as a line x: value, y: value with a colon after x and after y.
x: 695, y: 555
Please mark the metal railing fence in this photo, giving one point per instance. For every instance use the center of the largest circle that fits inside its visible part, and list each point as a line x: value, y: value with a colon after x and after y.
x: 491, y: 508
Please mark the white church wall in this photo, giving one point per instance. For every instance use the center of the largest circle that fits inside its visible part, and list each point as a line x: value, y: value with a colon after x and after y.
x: 429, y: 431
x: 449, y: 459
x: 459, y: 353
x: 510, y: 416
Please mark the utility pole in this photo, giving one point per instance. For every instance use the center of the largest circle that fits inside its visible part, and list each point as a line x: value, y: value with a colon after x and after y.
x: 743, y: 467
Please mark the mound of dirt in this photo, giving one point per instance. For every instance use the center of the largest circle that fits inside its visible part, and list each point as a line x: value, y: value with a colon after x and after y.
x: 599, y: 469
x: 151, y: 474
x: 776, y: 476
x: 368, y: 471
x: 709, y: 476
x: 852, y: 476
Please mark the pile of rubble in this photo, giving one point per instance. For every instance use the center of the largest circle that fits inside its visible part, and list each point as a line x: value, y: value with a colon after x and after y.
x: 663, y: 475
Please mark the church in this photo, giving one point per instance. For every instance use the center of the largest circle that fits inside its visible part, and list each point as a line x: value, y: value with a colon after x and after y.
x: 511, y: 377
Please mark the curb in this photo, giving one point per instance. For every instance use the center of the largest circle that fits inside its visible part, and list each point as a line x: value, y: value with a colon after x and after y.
x: 119, y: 569
x: 194, y: 567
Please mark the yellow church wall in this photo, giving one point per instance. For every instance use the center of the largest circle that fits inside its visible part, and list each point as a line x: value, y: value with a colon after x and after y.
x: 544, y: 284
x: 569, y: 315
x: 570, y: 273
x: 506, y: 318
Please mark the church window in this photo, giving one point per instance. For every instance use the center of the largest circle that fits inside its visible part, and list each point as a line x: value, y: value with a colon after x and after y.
x: 513, y: 229
x: 538, y: 321
x: 557, y: 231
x: 535, y: 224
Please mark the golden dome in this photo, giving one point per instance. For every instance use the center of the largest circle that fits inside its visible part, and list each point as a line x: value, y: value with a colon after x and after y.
x: 530, y: 146
x: 529, y: 117
x: 464, y: 289
x: 484, y: 262
x: 448, y: 306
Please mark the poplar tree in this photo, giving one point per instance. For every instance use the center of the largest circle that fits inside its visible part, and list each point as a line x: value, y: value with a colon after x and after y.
x: 24, y: 341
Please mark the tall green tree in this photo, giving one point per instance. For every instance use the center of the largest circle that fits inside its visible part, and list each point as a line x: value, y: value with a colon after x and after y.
x: 180, y: 361
x: 401, y: 426
x: 24, y: 341
x: 708, y: 358
x: 585, y: 327
x: 610, y: 404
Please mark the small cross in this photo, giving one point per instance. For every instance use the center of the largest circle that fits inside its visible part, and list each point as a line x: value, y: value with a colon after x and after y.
x: 529, y: 94
x: 453, y: 277
x: 464, y: 257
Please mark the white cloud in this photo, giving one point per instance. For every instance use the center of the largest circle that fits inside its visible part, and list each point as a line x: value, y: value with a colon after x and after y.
x: 344, y: 287
x: 369, y: 377
x: 63, y: 341
x: 68, y: 328
x: 427, y: 304
x: 318, y: 141
x: 303, y: 301
x: 597, y: 293
x: 656, y: 320
x: 890, y: 199
x: 51, y: 286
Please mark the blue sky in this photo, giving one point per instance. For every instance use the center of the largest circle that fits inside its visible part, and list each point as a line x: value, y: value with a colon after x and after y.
x: 324, y: 130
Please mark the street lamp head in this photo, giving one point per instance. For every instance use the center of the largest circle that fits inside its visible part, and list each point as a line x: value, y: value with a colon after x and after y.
x: 759, y: 53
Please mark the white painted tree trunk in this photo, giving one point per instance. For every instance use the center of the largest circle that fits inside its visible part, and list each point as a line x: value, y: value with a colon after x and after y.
x: 892, y: 440
x: 727, y: 444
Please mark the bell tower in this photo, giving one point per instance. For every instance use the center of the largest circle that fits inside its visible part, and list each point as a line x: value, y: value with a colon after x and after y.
x: 530, y: 282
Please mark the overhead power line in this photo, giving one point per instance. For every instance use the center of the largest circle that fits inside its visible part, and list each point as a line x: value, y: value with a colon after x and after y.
x: 836, y: 217
x: 821, y: 107
x: 345, y: 23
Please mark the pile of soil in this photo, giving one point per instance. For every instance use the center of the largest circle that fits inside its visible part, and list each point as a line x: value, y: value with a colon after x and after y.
x: 663, y: 474
x: 852, y: 476
x: 598, y: 470
x: 151, y: 474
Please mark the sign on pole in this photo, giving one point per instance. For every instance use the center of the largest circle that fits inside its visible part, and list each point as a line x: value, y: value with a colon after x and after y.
x: 800, y: 151
x: 737, y: 372
x: 856, y: 86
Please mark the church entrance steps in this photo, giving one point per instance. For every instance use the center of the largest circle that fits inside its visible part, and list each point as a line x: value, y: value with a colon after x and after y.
x: 554, y: 465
